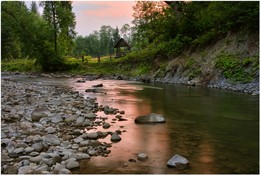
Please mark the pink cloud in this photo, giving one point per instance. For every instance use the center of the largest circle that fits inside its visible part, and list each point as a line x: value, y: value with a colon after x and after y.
x: 91, y: 15
x: 112, y: 9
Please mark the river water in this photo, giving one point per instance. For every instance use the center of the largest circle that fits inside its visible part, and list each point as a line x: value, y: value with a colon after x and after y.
x: 216, y: 130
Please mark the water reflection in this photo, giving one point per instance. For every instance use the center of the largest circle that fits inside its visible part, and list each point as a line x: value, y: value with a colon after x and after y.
x: 204, y: 125
x: 217, y: 131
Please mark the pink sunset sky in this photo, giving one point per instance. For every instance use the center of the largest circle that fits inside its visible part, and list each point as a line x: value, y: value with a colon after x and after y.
x: 91, y: 15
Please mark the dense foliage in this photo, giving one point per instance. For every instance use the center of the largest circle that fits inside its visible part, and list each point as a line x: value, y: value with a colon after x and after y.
x: 47, y: 38
x: 161, y: 31
x: 171, y: 28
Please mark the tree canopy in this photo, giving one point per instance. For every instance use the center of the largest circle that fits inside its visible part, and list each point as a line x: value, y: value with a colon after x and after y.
x: 46, y: 38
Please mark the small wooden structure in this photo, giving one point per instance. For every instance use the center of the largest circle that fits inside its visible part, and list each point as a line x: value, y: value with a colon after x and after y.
x: 122, y: 47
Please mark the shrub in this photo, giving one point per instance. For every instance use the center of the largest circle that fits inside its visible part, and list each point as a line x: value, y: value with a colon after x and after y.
x: 235, y: 69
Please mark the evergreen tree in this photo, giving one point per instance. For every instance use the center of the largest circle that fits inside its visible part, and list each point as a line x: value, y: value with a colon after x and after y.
x: 116, y: 35
x: 34, y: 7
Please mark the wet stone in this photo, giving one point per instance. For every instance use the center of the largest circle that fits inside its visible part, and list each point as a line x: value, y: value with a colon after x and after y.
x: 92, y: 135
x: 176, y: 160
x: 37, y: 147
x: 18, y: 150
x: 13, y: 155
x: 142, y: 157
x: 115, y: 137
x: 106, y: 125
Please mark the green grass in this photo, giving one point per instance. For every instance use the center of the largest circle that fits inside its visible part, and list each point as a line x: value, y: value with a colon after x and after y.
x: 133, y: 64
x: 20, y: 65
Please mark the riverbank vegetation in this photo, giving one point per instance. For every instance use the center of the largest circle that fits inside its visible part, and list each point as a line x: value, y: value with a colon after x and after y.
x: 167, y: 38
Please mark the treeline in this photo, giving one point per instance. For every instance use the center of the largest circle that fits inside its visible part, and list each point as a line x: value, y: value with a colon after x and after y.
x: 102, y: 42
x: 167, y: 28
x: 48, y: 38
x: 161, y: 30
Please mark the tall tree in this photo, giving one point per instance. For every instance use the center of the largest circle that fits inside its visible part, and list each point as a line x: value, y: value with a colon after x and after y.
x: 50, y: 15
x: 126, y: 32
x: 146, y: 19
x: 34, y: 7
x: 116, y: 35
x: 60, y: 17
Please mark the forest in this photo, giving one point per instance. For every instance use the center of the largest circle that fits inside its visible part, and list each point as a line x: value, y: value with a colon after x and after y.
x: 160, y: 30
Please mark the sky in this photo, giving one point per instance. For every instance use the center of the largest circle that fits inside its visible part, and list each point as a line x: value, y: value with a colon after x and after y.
x: 91, y: 15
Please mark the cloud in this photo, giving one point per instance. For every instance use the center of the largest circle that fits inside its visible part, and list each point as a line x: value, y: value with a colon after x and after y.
x: 91, y: 15
x: 82, y: 6
x: 113, y: 9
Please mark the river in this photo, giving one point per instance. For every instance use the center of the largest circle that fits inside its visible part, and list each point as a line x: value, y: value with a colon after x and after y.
x: 216, y: 130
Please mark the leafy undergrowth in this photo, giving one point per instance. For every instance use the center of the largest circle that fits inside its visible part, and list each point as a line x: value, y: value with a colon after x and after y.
x: 20, y: 65
x: 237, y: 69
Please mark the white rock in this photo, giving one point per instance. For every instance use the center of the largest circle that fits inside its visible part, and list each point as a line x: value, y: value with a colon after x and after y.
x: 142, y: 156
x: 75, y: 146
x: 177, y: 159
x: 50, y: 130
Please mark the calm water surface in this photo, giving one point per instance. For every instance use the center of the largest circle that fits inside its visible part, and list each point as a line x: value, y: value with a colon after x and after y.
x: 216, y: 130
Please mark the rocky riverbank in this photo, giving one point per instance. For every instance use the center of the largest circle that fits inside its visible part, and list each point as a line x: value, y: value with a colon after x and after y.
x: 49, y: 129
x: 221, y: 83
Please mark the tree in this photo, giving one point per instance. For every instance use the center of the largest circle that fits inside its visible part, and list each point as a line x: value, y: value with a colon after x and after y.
x: 126, y: 32
x: 34, y: 7
x: 60, y: 17
x: 10, y: 41
x: 147, y: 15
x: 116, y: 36
x: 34, y: 34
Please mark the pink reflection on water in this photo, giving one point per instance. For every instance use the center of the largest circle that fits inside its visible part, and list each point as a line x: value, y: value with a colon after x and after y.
x: 152, y: 140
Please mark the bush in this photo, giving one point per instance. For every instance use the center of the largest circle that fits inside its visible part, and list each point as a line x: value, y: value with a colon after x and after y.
x: 235, y: 69
x: 21, y: 65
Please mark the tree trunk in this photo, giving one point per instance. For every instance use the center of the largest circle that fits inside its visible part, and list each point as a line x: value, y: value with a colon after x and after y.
x: 54, y: 24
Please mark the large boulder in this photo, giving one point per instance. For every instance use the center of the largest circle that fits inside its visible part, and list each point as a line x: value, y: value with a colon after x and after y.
x: 177, y: 161
x: 151, y: 118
